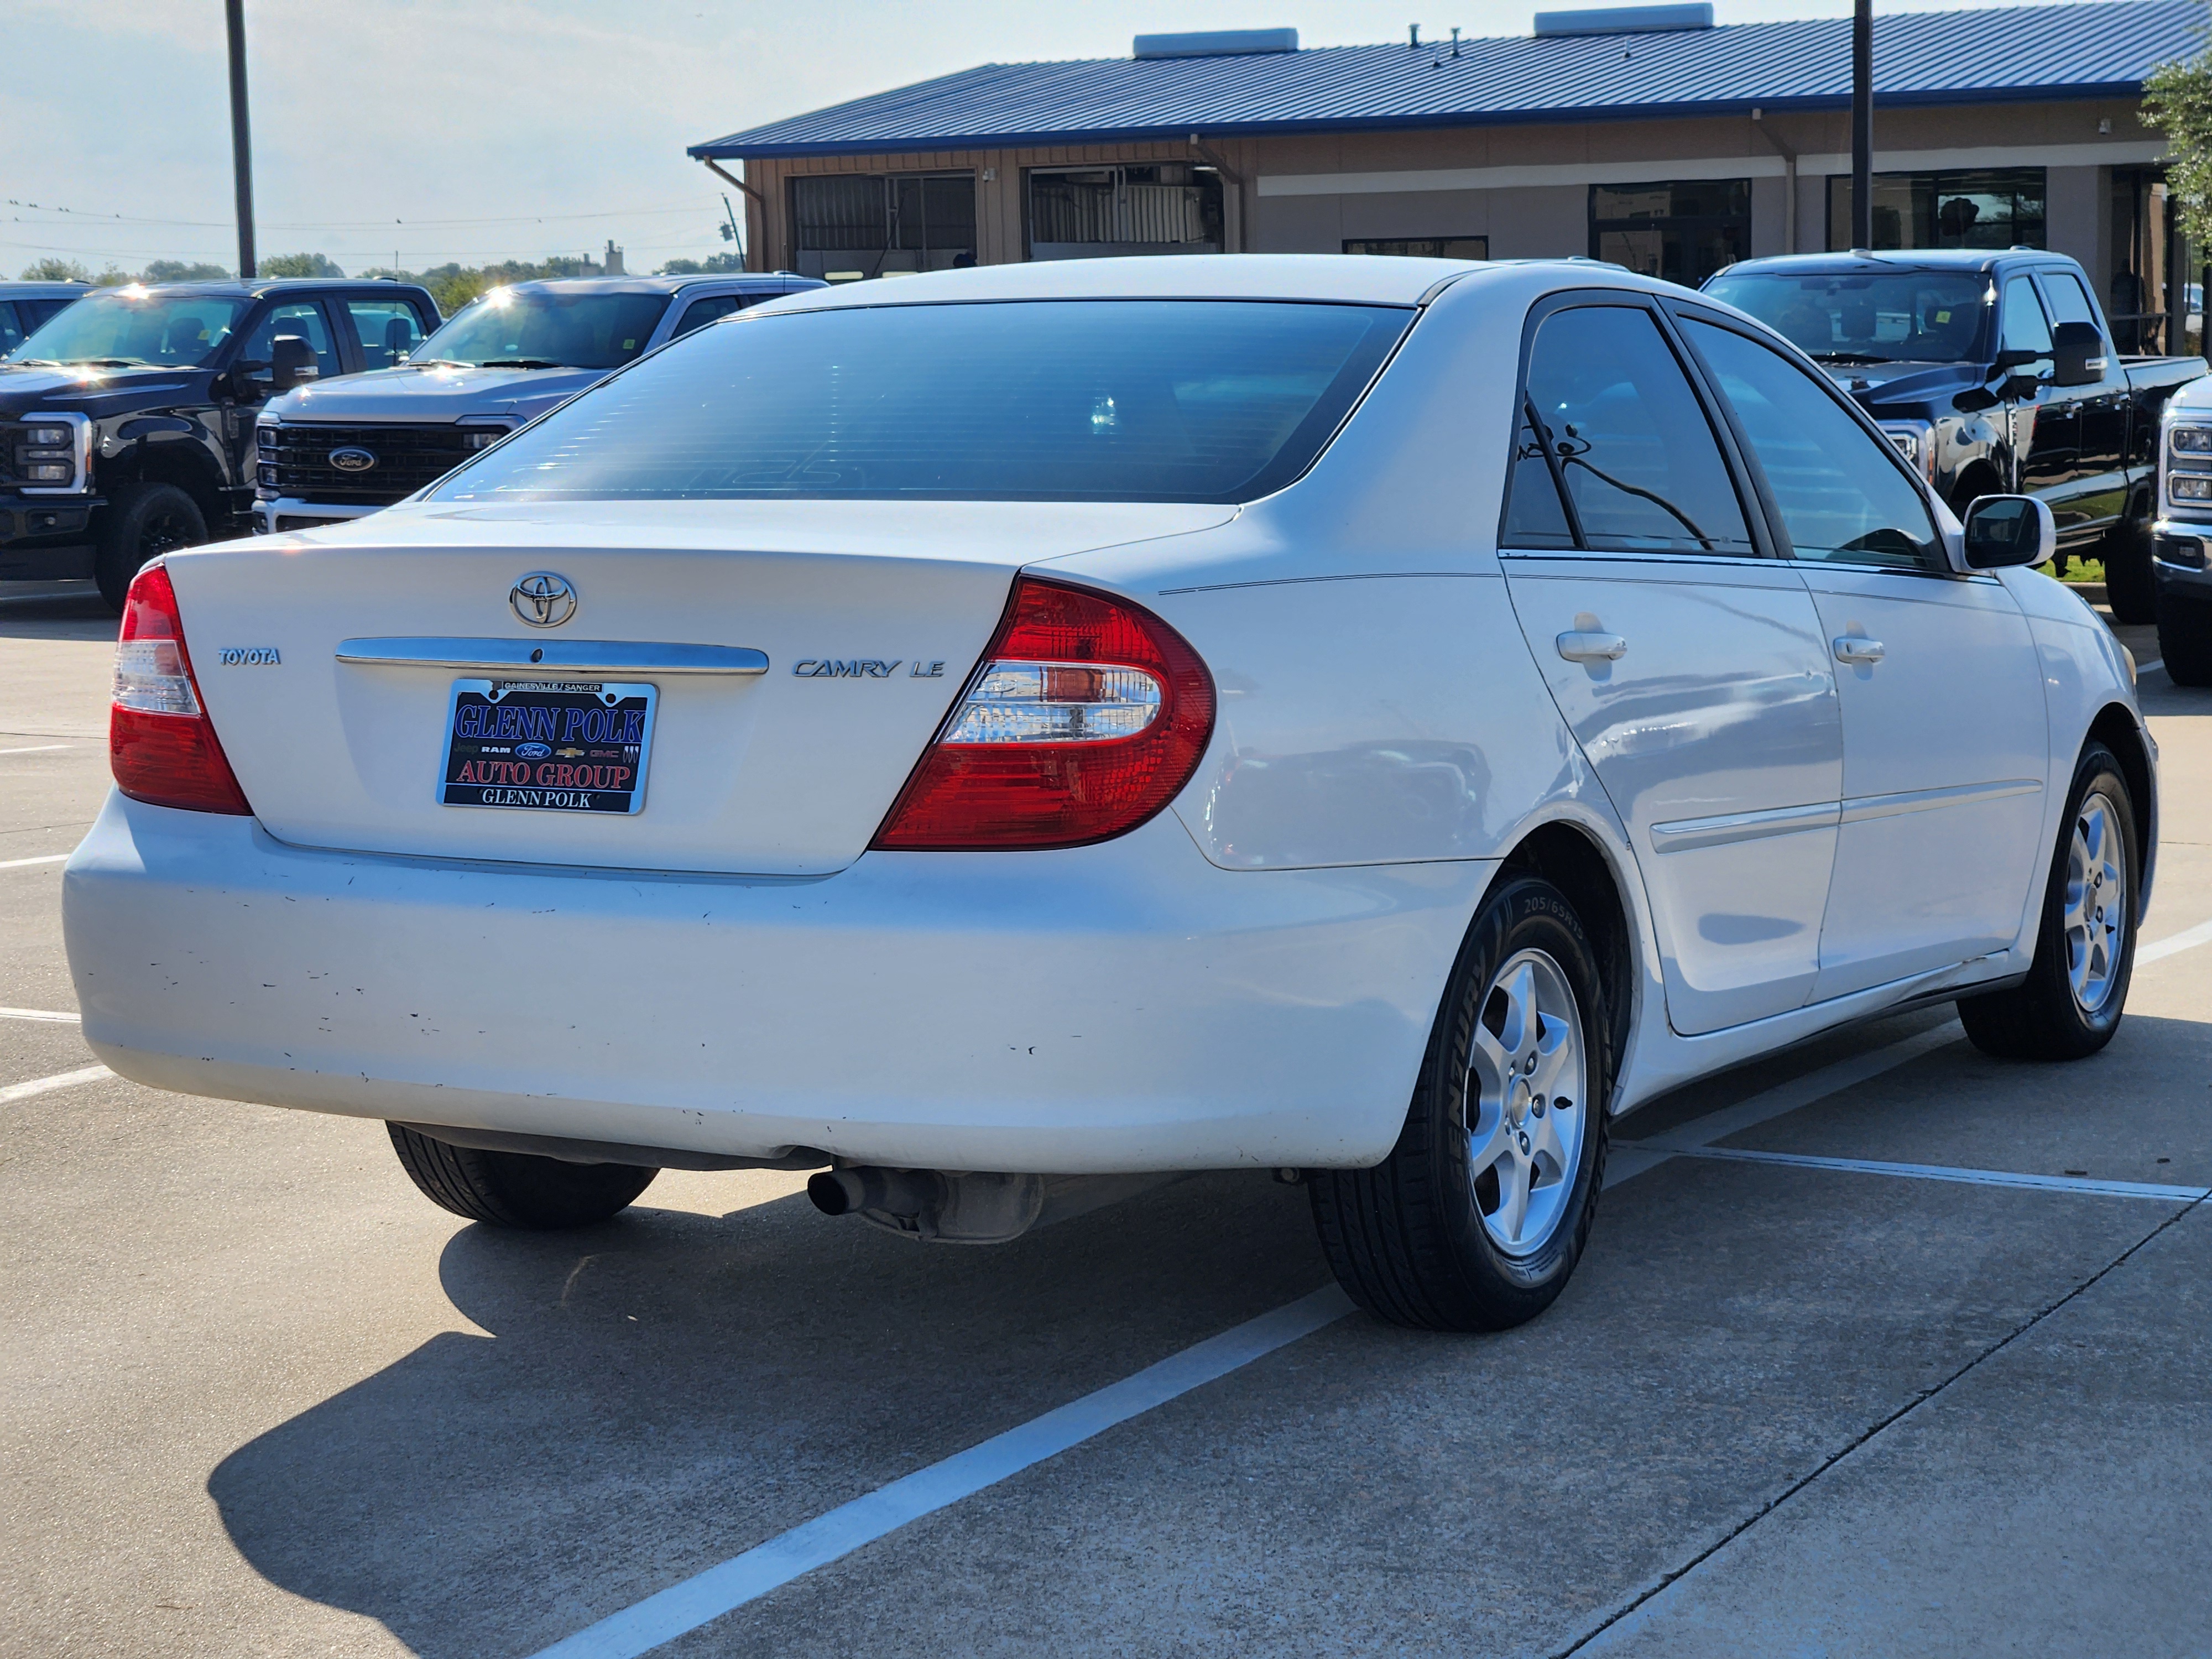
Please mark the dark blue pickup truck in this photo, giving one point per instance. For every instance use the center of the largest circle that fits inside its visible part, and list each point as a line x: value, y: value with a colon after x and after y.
x: 1995, y: 373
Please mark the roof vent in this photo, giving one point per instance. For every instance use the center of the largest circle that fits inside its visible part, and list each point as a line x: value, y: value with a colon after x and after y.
x: 1625, y: 20
x: 1229, y: 43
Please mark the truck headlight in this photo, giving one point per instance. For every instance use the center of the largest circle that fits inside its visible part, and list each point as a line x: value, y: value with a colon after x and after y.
x: 2190, y: 440
x: 2190, y: 486
x: 46, y: 437
x: 1916, y: 441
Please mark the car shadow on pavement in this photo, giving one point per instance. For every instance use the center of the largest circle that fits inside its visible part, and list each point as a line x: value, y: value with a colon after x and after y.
x: 653, y: 1395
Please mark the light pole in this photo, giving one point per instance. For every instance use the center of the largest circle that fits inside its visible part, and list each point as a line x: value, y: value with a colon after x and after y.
x: 241, y: 141
x: 1861, y: 123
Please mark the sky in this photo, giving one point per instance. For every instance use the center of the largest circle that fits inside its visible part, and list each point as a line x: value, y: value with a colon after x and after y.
x: 430, y: 130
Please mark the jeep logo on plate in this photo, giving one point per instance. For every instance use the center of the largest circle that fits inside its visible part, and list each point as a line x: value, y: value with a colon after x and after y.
x: 352, y: 458
x: 543, y: 599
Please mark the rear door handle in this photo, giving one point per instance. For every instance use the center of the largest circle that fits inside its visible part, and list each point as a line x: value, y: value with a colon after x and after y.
x: 1582, y: 647
x: 1851, y: 648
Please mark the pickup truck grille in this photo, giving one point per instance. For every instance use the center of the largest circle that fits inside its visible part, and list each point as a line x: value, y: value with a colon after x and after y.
x: 295, y: 460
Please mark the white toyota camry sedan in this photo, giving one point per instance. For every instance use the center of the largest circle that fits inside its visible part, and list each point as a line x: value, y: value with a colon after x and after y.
x: 1001, y: 737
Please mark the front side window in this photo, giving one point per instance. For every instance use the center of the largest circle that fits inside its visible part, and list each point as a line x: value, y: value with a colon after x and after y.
x: 1071, y: 400
x: 699, y: 312
x: 1856, y: 317
x: 135, y: 328
x: 303, y: 318
x: 12, y: 331
x: 2026, y: 327
x: 2069, y: 302
x: 1643, y: 470
x: 388, y: 329
x: 1842, y: 495
x: 546, y: 328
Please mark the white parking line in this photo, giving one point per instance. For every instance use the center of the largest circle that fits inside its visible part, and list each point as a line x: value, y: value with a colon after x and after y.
x: 2174, y: 944
x: 1942, y: 1172
x: 38, y: 748
x: 15, y: 1092
x: 709, y: 1595
x: 2146, y: 667
x: 53, y: 1015
x: 45, y: 858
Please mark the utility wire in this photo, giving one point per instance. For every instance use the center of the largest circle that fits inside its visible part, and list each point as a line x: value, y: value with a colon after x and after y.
x: 90, y: 218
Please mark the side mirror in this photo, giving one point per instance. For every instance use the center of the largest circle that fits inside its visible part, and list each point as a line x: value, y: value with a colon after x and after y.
x: 2079, y: 351
x: 249, y: 380
x: 2010, y: 530
x: 2016, y: 358
x: 291, y: 360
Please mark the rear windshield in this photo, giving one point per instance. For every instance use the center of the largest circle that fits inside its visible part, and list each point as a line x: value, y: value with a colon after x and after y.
x: 1910, y: 316
x: 1061, y: 400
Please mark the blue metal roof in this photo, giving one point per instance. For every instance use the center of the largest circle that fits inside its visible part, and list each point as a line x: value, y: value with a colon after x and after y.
x: 2011, y: 54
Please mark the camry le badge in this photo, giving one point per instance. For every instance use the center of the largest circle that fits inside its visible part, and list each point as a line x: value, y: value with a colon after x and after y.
x: 543, y: 599
x: 353, y: 458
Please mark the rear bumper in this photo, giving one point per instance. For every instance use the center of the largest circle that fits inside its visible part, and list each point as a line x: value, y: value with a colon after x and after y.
x: 1122, y: 1007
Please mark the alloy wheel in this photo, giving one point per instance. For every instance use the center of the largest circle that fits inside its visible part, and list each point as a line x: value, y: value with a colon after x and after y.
x: 1526, y: 1107
x: 2096, y: 903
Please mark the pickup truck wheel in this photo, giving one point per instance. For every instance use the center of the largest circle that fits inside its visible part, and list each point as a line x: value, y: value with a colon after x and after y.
x: 2184, y: 639
x: 1477, y: 1218
x: 515, y: 1189
x: 2128, y: 588
x: 2069, y: 1006
x: 141, y: 522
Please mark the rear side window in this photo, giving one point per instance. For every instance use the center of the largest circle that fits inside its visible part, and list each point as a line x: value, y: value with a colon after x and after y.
x: 1842, y: 495
x: 1643, y: 470
x: 303, y: 317
x: 1100, y: 400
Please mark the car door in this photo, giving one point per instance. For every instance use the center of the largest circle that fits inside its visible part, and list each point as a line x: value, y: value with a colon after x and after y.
x: 2045, y: 425
x: 1945, y: 750
x: 2097, y: 489
x: 1690, y: 665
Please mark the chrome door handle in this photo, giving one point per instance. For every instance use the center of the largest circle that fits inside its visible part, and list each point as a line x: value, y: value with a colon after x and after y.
x: 1580, y: 646
x: 1850, y: 648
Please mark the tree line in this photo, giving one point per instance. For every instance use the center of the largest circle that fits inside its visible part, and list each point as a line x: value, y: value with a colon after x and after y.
x: 452, y: 285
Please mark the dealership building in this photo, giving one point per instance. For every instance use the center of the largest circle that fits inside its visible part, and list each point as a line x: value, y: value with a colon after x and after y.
x: 1645, y: 135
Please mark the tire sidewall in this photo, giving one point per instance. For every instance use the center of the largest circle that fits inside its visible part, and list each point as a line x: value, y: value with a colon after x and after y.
x: 1524, y: 912
x: 120, y: 552
x: 2098, y: 766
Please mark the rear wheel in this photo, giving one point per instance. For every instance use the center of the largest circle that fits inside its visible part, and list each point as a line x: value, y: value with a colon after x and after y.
x: 2069, y: 1006
x: 515, y: 1189
x: 2184, y: 639
x: 1477, y: 1218
x: 140, y: 523
x: 2129, y: 588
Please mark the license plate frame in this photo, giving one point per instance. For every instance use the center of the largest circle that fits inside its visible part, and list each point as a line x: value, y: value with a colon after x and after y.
x: 560, y: 759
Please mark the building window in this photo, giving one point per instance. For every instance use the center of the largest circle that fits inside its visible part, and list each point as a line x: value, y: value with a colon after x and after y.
x: 1422, y: 248
x: 1089, y: 213
x: 854, y: 225
x: 1988, y: 207
x: 1680, y: 232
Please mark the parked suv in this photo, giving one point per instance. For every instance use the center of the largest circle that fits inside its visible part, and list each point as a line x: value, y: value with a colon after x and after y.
x: 126, y: 420
x: 1990, y: 371
x: 335, y: 452
x: 25, y: 305
x: 2182, y: 549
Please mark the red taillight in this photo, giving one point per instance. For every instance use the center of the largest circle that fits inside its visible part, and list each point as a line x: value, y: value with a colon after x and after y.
x: 1086, y: 717
x: 160, y: 744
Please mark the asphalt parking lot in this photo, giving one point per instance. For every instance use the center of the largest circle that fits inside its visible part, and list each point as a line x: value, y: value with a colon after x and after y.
x: 1879, y: 1346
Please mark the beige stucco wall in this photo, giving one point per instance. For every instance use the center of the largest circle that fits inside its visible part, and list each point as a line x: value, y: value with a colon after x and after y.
x: 1400, y: 183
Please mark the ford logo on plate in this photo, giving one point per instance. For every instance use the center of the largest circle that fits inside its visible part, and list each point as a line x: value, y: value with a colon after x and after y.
x: 533, y: 751
x: 353, y: 460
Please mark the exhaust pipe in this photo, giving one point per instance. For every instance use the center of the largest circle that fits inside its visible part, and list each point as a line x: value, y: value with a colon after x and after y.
x: 967, y: 1206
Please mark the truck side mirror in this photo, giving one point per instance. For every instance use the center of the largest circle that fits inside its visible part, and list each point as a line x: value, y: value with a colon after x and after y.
x: 2010, y: 530
x: 2078, y: 348
x: 291, y: 360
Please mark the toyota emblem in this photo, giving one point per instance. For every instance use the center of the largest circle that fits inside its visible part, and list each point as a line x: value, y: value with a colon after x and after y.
x: 543, y: 599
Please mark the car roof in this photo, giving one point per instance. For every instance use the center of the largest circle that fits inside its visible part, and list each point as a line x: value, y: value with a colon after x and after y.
x: 234, y: 288
x: 1361, y: 279
x: 652, y: 285
x: 1910, y: 259
x: 42, y: 290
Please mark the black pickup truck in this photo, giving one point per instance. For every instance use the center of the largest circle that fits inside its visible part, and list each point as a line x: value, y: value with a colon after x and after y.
x: 126, y: 421
x: 1995, y: 373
